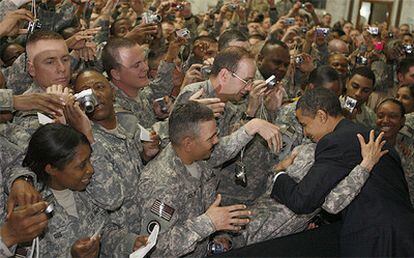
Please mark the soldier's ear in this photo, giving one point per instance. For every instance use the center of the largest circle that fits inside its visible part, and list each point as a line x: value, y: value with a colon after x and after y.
x: 115, y: 74
x: 49, y: 169
x: 30, y: 69
x: 322, y: 116
x: 188, y: 143
x: 223, y: 76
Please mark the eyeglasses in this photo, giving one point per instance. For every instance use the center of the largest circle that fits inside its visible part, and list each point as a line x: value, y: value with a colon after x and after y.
x: 248, y: 82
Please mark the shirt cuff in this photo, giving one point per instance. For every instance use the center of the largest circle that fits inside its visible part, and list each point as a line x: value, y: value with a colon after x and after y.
x: 19, y: 3
x: 4, y: 250
x: 6, y: 100
x: 277, y: 175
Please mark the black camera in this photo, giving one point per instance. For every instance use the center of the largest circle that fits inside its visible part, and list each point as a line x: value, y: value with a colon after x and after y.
x: 33, y: 26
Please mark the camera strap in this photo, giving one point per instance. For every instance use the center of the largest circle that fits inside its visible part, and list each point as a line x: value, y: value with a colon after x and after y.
x: 35, y: 248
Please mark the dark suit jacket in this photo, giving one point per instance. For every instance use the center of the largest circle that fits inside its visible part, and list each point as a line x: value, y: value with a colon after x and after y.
x: 380, y: 220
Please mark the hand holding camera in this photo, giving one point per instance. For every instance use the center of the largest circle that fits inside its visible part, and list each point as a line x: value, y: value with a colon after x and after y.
x: 9, y: 26
x: 24, y: 224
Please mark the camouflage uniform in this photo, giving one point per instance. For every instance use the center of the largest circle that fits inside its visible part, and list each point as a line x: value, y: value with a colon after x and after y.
x: 16, y: 76
x: 117, y: 163
x: 185, y: 197
x: 409, y: 120
x: 272, y: 219
x: 141, y: 106
x: 28, y: 119
x: 231, y: 114
x: 256, y: 169
x: 286, y: 115
x: 320, y: 54
x: 64, y: 230
x: 6, y: 6
x: 405, y: 148
x: 6, y: 100
x: 283, y: 7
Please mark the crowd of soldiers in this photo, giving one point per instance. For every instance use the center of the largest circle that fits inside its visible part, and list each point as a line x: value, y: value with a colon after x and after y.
x: 127, y: 115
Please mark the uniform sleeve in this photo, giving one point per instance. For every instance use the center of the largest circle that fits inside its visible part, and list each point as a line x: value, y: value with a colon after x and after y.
x: 309, y: 194
x: 229, y: 146
x: 346, y: 191
x: 16, y: 76
x: 105, y: 188
x: 5, y: 251
x: 6, y: 6
x: 177, y: 236
x: 162, y: 85
x: 6, y: 99
x: 117, y: 241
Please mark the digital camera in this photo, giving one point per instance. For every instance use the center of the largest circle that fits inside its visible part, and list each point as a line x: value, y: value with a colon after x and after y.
x: 373, y: 31
x: 322, y: 32
x: 183, y: 33
x: 408, y: 49
x: 299, y: 60
x: 289, y: 21
x: 271, y: 82
x: 233, y: 7
x: 361, y: 60
x: 33, y: 26
x: 87, y: 99
x: 349, y: 104
x: 150, y: 17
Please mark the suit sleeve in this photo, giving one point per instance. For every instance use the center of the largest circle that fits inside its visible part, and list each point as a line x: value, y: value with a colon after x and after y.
x: 309, y: 194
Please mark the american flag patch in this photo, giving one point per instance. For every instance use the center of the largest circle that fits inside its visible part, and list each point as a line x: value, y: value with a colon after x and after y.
x: 162, y: 210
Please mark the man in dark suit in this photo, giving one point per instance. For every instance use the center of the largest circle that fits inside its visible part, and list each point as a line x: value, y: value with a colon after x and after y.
x: 380, y: 220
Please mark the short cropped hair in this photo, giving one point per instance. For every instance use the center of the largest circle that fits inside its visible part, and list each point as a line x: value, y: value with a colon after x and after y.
x: 323, y: 74
x: 405, y: 65
x: 39, y: 35
x: 319, y: 99
x: 110, y: 53
x: 364, y: 72
x: 229, y: 59
x: 184, y: 120
x: 229, y: 35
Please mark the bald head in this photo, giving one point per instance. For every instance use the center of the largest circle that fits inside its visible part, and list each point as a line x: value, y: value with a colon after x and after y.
x: 338, y: 46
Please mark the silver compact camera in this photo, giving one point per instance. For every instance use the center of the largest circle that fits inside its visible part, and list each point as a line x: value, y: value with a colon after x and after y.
x: 271, y: 82
x: 87, y: 99
x: 33, y: 26
x: 205, y: 71
x: 299, y: 60
x: 408, y: 49
x: 322, y: 31
x: 373, y: 30
x: 361, y: 60
x: 150, y: 17
x: 233, y: 7
x: 289, y: 21
x: 183, y: 33
x: 349, y: 104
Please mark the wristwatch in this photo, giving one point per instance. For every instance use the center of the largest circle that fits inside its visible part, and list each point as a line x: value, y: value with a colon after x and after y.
x: 246, y: 117
x: 26, y: 178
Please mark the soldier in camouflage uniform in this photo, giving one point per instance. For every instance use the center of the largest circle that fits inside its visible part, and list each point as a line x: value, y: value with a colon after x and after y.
x: 229, y: 118
x: 359, y: 87
x: 118, y: 154
x: 272, y: 219
x: 48, y: 66
x: 75, y: 216
x: 390, y: 120
x: 125, y: 64
x: 323, y: 76
x: 179, y: 186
